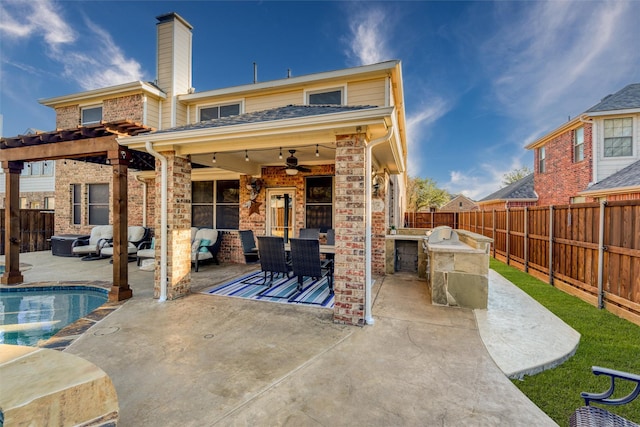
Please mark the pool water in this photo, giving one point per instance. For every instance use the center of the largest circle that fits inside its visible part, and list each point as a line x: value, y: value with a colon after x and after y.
x: 28, y: 315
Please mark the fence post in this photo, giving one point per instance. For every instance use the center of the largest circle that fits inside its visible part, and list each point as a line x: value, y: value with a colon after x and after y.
x: 494, y: 232
x: 551, y: 245
x: 601, y: 248
x: 508, y: 238
x: 526, y: 239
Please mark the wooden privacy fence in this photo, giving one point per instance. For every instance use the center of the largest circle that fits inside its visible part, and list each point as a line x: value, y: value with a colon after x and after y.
x: 36, y: 229
x: 589, y: 250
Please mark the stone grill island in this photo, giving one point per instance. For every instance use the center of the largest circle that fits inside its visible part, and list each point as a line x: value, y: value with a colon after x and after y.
x: 457, y: 267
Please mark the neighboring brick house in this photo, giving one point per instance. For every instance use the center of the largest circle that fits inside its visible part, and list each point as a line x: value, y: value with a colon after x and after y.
x: 588, y: 149
x: 516, y: 194
x: 459, y: 203
x: 342, y: 128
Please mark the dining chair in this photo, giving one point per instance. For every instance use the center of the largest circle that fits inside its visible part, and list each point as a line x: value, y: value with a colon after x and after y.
x: 249, y: 248
x: 273, y: 258
x: 306, y: 262
x: 309, y: 233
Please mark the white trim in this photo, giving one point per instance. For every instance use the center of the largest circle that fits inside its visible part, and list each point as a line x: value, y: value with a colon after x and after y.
x: 614, y: 112
x: 119, y: 90
x: 281, y: 191
x: 218, y: 105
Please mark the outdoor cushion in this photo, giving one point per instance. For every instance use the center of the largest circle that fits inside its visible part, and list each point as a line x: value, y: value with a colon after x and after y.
x: 203, y: 245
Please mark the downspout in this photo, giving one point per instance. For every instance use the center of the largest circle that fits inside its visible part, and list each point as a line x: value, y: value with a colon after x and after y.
x: 369, y: 219
x: 144, y: 199
x: 163, y: 220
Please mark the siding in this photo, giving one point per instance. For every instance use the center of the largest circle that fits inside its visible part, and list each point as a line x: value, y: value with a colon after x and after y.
x: 368, y: 92
x: 273, y: 100
x: 608, y: 166
x: 153, y: 112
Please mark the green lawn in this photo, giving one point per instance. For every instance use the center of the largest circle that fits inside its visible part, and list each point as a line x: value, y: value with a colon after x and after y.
x: 606, y: 340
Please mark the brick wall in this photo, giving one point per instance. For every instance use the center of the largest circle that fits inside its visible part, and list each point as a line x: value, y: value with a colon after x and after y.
x: 125, y: 107
x: 349, y: 273
x: 68, y: 117
x: 70, y: 172
x: 563, y: 178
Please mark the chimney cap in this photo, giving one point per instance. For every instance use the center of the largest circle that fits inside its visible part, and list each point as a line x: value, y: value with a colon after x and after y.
x: 167, y: 17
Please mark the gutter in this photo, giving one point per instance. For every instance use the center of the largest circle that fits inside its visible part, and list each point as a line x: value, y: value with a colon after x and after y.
x: 163, y: 220
x: 368, y: 220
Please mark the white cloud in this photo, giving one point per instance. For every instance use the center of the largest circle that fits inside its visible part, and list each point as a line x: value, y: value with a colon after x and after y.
x: 419, y: 120
x: 36, y: 18
x: 367, y: 43
x: 109, y: 68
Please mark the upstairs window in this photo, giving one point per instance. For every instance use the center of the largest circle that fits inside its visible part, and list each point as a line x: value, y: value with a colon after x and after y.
x: 618, y: 140
x: 91, y: 115
x: 210, y: 113
x: 578, y: 145
x: 325, y: 97
x: 541, y: 159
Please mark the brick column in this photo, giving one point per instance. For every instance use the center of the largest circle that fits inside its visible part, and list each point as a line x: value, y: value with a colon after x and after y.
x: 349, y: 273
x: 178, y: 226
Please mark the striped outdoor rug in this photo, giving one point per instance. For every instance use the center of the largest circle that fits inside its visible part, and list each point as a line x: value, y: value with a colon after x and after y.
x: 282, y: 290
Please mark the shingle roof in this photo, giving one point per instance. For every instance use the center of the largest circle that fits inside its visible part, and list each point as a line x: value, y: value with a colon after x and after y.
x: 627, y: 177
x: 279, y: 113
x: 522, y: 189
x: 626, y: 98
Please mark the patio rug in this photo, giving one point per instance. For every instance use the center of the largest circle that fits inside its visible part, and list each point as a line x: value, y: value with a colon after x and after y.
x: 283, y: 290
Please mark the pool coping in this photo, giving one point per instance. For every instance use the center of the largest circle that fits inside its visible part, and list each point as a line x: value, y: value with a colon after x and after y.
x: 67, y: 335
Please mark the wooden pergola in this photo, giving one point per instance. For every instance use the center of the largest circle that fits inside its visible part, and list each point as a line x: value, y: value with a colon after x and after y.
x: 92, y: 143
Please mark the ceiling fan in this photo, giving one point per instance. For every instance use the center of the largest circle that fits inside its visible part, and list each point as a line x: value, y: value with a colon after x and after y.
x: 292, y: 167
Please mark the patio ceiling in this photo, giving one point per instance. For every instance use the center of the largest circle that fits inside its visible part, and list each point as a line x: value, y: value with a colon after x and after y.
x: 262, y: 142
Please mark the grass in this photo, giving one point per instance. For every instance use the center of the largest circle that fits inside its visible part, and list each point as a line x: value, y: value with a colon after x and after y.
x: 606, y: 340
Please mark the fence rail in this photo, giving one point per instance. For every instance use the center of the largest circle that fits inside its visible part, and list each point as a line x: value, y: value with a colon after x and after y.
x: 36, y: 229
x: 590, y: 250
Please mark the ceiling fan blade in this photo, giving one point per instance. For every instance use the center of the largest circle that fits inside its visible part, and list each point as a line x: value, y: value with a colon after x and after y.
x: 303, y: 169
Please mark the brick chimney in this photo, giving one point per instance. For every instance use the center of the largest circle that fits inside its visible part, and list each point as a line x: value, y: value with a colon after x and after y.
x: 173, y: 68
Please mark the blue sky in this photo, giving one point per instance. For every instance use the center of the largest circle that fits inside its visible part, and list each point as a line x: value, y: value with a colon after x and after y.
x: 481, y: 79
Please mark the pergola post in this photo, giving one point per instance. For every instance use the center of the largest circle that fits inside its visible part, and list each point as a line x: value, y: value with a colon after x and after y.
x: 119, y: 160
x: 12, y: 273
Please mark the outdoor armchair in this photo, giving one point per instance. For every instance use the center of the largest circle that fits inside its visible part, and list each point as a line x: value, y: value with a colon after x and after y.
x: 594, y: 416
x: 101, y: 235
x: 205, y: 246
x: 309, y: 233
x: 306, y: 262
x: 136, y: 236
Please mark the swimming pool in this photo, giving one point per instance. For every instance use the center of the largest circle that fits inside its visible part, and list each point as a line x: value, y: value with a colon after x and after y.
x: 28, y: 315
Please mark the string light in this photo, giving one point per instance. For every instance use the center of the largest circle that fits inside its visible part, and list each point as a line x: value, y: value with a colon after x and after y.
x: 280, y: 156
x: 317, y: 153
x: 246, y: 156
x: 214, y: 158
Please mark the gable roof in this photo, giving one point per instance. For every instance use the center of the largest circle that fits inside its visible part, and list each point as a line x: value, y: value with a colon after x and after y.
x: 278, y: 113
x: 625, y: 99
x: 627, y: 178
x: 519, y: 190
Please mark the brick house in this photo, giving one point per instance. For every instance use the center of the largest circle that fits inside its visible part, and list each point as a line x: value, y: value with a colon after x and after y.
x: 459, y: 203
x: 515, y: 195
x: 585, y: 151
x: 345, y: 128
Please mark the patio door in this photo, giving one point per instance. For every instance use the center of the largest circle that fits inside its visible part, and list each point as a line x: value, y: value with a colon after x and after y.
x: 281, y: 212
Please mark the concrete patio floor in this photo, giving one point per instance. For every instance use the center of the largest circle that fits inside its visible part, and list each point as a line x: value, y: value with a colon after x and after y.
x: 211, y: 360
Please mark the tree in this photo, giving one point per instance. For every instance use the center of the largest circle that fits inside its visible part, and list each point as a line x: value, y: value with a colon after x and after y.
x: 515, y: 175
x: 424, y: 193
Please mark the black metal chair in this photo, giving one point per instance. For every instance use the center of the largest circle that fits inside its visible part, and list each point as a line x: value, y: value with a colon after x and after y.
x: 331, y: 236
x: 306, y: 262
x: 273, y: 258
x: 309, y: 233
x: 249, y: 248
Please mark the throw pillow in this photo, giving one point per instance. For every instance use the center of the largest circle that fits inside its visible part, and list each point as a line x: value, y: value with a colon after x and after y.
x: 153, y: 243
x: 203, y: 245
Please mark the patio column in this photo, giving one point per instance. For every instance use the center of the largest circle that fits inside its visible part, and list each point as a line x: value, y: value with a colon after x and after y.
x: 178, y: 226
x: 119, y: 160
x: 12, y: 273
x: 349, y: 270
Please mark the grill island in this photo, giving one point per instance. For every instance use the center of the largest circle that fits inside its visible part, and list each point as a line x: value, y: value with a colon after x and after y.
x: 457, y: 267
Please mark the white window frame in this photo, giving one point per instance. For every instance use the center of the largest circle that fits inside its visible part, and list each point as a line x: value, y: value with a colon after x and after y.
x: 87, y: 108
x: 240, y: 104
x: 604, y: 137
x: 342, y: 89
